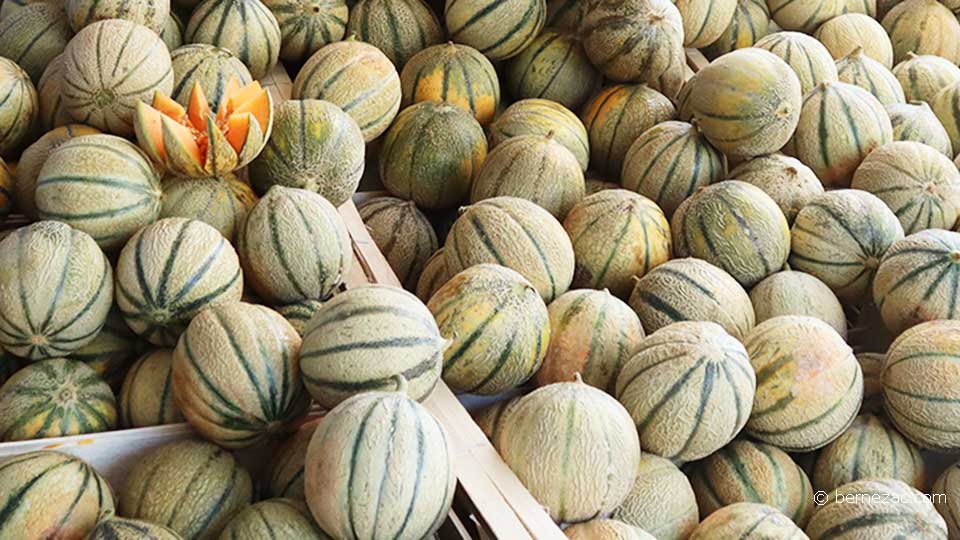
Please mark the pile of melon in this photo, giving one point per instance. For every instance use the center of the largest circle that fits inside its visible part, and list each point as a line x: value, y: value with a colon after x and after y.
x: 685, y: 299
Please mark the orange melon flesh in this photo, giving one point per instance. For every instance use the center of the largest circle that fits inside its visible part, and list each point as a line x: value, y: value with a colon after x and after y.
x: 258, y: 105
x: 237, y: 128
x: 198, y: 109
x: 169, y: 107
x: 188, y: 141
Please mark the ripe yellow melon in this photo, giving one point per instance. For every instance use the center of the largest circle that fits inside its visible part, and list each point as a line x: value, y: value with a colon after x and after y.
x: 433, y: 275
x: 542, y: 117
x: 498, y: 30
x: 923, y: 76
x: 555, y: 67
x: 150, y: 13
x: 860, y: 70
x: 916, y: 121
x: 399, y: 29
x: 844, y: 34
x: 705, y: 21
x: 797, y: 293
x: 33, y: 159
x: 34, y: 35
x: 221, y: 202
x: 790, y: 183
x: 923, y: 27
x: 880, y: 508
x: 747, y: 521
x: 806, y: 56
x: 804, y: 15
x: 872, y: 365
x: 244, y: 27
x: 277, y: 519
x: 458, y: 74
x: 606, y: 529
x: 661, y: 501
x: 402, y: 233
x: 946, y: 105
x: 140, y: 402
x: 19, y: 107
x: 751, y: 21
x: 298, y: 314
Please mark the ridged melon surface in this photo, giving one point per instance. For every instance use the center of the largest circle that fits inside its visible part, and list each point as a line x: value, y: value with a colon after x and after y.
x: 402, y: 233
x: 221, y: 202
x: 606, y: 529
x: 498, y: 29
x: 806, y: 56
x: 844, y: 34
x: 19, y: 106
x: 283, y: 475
x: 747, y: 521
x: 923, y: 27
x: 661, y: 501
x: 210, y: 66
x: 433, y: 275
x: 298, y: 314
x: 117, y: 528
x: 882, y: 508
x: 946, y: 488
x: 797, y: 293
x: 455, y: 73
x: 53, y: 113
x: 536, y: 116
x: 399, y: 28
x: 150, y: 13
x: 555, y: 67
x: 308, y: 25
x: 916, y: 121
x: 246, y: 28
x: 804, y: 15
x: 751, y: 21
x: 946, y: 105
x: 923, y: 76
x: 34, y: 35
x: 277, y: 519
x: 860, y: 70
x: 872, y: 366
x: 140, y: 402
x: 172, y: 32
x: 33, y: 159
x: 705, y: 21
x: 112, y: 351
x: 790, y: 183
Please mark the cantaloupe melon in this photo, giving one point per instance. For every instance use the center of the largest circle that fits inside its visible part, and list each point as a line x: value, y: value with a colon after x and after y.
x: 402, y: 233
x: 308, y: 25
x: 454, y: 73
x: 555, y: 67
x: 746, y: 471
x: 860, y: 70
x: 395, y: 446
x: 567, y: 434
x: 314, y: 146
x: 616, y: 116
x: 54, y: 398
x: 946, y: 105
x: 246, y: 28
x: 806, y: 396
x: 824, y: 139
x: 19, y: 106
x: 661, y: 501
x: 606, y: 529
x: 209, y: 66
x: 705, y: 21
x: 923, y: 27
x: 790, y: 183
x: 34, y: 35
x: 221, y: 202
x: 170, y: 271
x: 102, y: 185
x: 844, y: 34
x: 916, y: 121
x: 500, y: 329
x: 923, y: 76
x: 747, y: 521
x: 298, y: 314
x: 53, y: 113
x: 400, y: 29
x: 804, y: 15
x: 172, y: 33
x: 431, y: 153
x: 107, y: 99
x: 872, y: 365
x: 915, y: 277
x: 47, y: 492
x: 140, y: 402
x: 198, y: 509
x: 864, y: 7
x: 751, y: 21
x: 882, y: 508
x: 499, y: 30
x: 536, y: 116
x: 55, y: 290
x: 286, y: 260
x: 617, y: 236
x: 490, y: 418
x: 517, y: 234
x: 283, y: 476
x: 150, y: 13
x: 432, y: 276
x: 117, y: 528
x: 112, y: 351
x: 747, y: 103
x: 806, y: 56
x: 33, y: 159
x: 797, y: 293
x: 945, y: 491
x: 277, y: 519
x: 401, y: 338
x: 669, y: 162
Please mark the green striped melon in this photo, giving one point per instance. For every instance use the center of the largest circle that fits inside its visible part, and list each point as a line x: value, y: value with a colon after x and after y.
x: 669, y: 162
x: 34, y: 35
x: 869, y: 448
x: 56, y: 288
x: 923, y: 76
x: 860, y: 70
x: 747, y: 102
x: 402, y: 233
x: 872, y: 365
x: 400, y: 337
x: 358, y: 78
x: 53, y: 113
x: 498, y: 29
x: 923, y: 27
x: 431, y: 153
x: 33, y: 159
x: 47, y: 494
x: 945, y: 494
x: 308, y: 25
x: 747, y: 521
x: 790, y: 183
x: 745, y: 471
x: 7, y: 186
x: 227, y: 340
x: 634, y: 40
x: 490, y: 418
x: 863, y: 7
x: 606, y: 529
x: 498, y: 327
x: 55, y: 398
x: 19, y: 106
x: 306, y: 136
x: 839, y: 125
x: 222, y: 202
x: 9, y: 7
x: 399, y: 28
x: 564, y: 14
x: 692, y: 290
x: 117, y: 528
x: 916, y: 121
x: 806, y: 396
x: 146, y: 398
x: 170, y: 271
x: 555, y: 67
x: 919, y: 387
x: 299, y: 313
x: 283, y: 476
x: 920, y: 185
x: 661, y: 500
x: 432, y: 276
x: 454, y: 73
x: 840, y: 238
x: 102, y: 185
x: 172, y: 33
x: 914, y: 282
x: 212, y: 68
x: 806, y: 56
x: 687, y: 365
x: 150, y: 13
x: 112, y: 351
x: 733, y: 225
x: 872, y: 509
x: 844, y: 34
x: 617, y: 236
x: 555, y: 183
x: 246, y: 28
x: 804, y: 15
x: 536, y: 116
x: 571, y: 434
x: 616, y: 116
x: 277, y: 519
x: 751, y: 21
x: 593, y: 334
x: 705, y: 21
x: 517, y: 234
x: 294, y: 246
x: 946, y: 105
x: 216, y: 488
x: 106, y: 99
x: 796, y: 293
